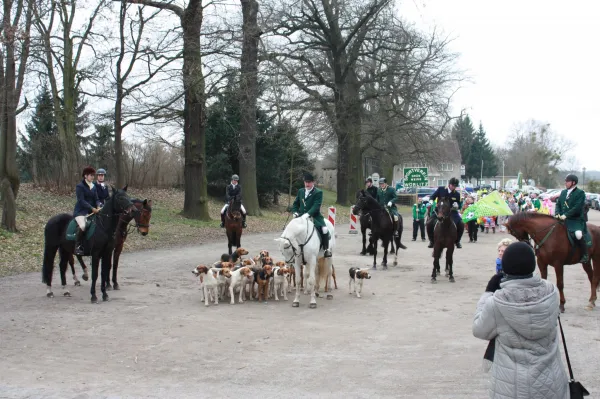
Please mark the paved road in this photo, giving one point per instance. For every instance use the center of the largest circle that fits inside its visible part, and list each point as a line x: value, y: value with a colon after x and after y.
x: 404, y: 338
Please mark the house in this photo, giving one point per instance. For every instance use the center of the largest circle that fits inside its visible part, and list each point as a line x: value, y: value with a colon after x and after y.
x: 326, y: 173
x: 446, y: 165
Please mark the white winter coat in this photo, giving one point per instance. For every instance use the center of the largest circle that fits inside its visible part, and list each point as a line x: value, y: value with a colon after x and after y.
x: 523, y: 317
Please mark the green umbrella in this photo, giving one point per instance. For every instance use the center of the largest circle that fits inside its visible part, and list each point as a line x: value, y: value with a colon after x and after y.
x: 491, y: 205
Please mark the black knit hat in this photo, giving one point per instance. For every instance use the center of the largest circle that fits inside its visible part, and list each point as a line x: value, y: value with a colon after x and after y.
x: 518, y: 259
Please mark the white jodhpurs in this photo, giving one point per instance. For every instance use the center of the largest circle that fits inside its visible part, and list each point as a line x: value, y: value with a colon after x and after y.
x: 324, y: 229
x: 579, y: 234
x: 227, y: 206
x: 80, y: 222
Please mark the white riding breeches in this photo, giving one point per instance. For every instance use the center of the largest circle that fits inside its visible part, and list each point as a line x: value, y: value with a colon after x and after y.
x: 579, y: 234
x: 227, y: 206
x: 81, y: 222
x: 324, y: 229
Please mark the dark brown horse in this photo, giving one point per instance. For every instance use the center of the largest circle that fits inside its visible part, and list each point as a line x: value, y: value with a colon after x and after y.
x: 444, y: 237
x: 233, y: 223
x: 142, y: 224
x: 552, y: 247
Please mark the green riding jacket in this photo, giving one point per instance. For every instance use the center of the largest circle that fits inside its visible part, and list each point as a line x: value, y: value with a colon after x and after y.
x: 310, y: 205
x: 572, y: 208
x: 388, y: 195
x: 418, y: 211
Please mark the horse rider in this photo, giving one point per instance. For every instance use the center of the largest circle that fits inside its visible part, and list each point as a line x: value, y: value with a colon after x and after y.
x: 308, y: 202
x: 232, y: 190
x: 371, y: 189
x: 454, y: 197
x: 87, y: 202
x: 101, y: 187
x: 569, y: 208
x: 387, y: 198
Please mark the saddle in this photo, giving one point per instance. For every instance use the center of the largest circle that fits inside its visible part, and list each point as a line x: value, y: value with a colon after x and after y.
x: 90, y: 227
x: 586, y: 236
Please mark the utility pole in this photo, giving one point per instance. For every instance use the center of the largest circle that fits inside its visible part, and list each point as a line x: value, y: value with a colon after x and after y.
x: 503, y: 174
x: 481, y: 173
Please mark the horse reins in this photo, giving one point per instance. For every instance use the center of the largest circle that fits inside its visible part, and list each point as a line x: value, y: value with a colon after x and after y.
x: 300, y: 245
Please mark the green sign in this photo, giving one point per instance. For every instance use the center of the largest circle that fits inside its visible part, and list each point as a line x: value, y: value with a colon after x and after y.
x: 416, y: 177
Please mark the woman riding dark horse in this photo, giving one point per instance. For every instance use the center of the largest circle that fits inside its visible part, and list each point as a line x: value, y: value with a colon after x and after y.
x: 232, y: 191
x: 87, y: 203
x: 234, y: 223
x: 100, y: 242
x: 444, y: 237
x: 382, y: 227
x: 365, y: 219
x: 454, y: 196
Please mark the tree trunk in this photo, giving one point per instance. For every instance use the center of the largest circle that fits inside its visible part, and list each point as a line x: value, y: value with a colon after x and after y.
x: 195, y: 204
x: 248, y: 95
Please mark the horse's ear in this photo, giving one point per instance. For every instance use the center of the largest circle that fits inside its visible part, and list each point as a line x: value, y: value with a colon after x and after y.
x: 125, y: 188
x: 145, y: 201
x: 114, y: 190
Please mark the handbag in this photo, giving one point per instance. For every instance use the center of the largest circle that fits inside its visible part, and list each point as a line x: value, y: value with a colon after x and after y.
x: 575, y: 388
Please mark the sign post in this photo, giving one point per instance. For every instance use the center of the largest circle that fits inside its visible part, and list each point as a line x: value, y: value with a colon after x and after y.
x: 375, y: 178
x: 462, y: 170
x: 416, y: 177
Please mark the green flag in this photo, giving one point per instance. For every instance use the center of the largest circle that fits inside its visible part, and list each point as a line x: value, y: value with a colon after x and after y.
x: 490, y: 205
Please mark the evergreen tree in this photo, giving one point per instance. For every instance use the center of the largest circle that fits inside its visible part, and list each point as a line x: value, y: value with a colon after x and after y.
x: 464, y: 134
x: 481, y: 150
x: 101, y: 146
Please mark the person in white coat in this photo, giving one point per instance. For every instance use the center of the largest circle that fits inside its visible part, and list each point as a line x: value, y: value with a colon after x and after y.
x: 519, y: 313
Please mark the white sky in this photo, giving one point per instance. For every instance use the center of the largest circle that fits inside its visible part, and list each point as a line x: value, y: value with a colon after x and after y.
x: 528, y: 59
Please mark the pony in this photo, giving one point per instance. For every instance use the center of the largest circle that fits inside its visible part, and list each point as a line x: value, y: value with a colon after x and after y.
x: 382, y: 227
x: 142, y: 225
x: 100, y: 245
x: 233, y: 223
x: 300, y: 245
x: 552, y: 248
x: 444, y: 237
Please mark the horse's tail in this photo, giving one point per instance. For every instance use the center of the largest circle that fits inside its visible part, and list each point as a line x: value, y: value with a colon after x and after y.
x: 53, y: 235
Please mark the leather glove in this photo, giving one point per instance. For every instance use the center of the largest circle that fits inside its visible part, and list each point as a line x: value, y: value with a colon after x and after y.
x: 562, y: 217
x: 305, y: 216
x: 557, y: 216
x: 494, y: 283
x: 390, y: 204
x: 455, y: 205
x: 296, y: 214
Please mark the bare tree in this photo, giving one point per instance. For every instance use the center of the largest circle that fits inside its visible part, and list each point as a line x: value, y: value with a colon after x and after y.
x: 194, y: 112
x: 15, y: 31
x: 248, y: 96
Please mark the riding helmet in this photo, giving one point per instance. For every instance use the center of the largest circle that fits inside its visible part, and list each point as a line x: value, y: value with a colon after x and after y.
x: 382, y: 180
x: 369, y: 180
x: 101, y: 171
x: 235, y: 177
x: 88, y: 170
x: 453, y: 181
x: 572, y: 177
x: 308, y: 177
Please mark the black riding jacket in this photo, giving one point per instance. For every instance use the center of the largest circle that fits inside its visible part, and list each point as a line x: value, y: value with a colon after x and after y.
x: 232, y: 191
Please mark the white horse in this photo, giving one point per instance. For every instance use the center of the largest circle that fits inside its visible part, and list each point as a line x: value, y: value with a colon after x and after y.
x: 299, y: 243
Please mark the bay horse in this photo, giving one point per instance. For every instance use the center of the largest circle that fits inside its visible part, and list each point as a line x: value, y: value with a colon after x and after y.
x: 142, y: 225
x: 100, y: 245
x: 382, y: 227
x: 300, y: 244
x: 233, y: 223
x: 444, y: 237
x: 552, y: 247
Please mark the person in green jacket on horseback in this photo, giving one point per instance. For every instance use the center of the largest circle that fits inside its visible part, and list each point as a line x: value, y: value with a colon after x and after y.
x: 569, y: 208
x: 387, y: 198
x: 308, y: 202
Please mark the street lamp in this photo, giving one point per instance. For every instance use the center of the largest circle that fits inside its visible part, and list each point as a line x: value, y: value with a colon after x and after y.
x: 583, y: 183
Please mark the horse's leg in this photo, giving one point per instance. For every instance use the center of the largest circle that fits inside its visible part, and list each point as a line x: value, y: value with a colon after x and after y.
x: 298, y: 271
x: 76, y: 281
x: 375, y: 239
x: 95, y: 265
x: 105, y: 276
x: 436, y: 264
x: 48, y: 266
x: 85, y: 275
x: 449, y: 254
x: 115, y: 265
x: 587, y: 267
x: 559, y: 269
x: 543, y: 266
x: 311, y: 268
x: 386, y: 244
x: 64, y: 262
x: 363, y: 230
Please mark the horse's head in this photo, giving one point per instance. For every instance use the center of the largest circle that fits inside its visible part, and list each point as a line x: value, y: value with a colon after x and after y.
x: 443, y: 208
x: 235, y: 206
x: 364, y: 203
x: 142, y: 217
x: 121, y: 203
x: 517, y: 227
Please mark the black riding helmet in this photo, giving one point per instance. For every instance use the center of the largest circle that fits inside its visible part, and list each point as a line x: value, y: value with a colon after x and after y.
x: 369, y: 180
x: 572, y: 177
x: 453, y: 181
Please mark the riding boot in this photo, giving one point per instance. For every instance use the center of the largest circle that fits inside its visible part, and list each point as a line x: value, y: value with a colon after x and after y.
x: 396, y: 233
x: 244, y: 220
x: 78, y: 242
x: 584, y: 251
x: 222, y: 220
x: 460, y: 229
x: 325, y: 244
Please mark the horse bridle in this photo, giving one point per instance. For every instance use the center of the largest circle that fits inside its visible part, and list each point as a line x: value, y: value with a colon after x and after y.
x: 300, y: 245
x: 531, y: 236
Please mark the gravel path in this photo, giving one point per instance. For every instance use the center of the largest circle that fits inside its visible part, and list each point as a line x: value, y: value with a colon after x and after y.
x: 155, y: 339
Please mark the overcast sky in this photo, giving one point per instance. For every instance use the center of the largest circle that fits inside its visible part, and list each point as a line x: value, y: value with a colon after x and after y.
x: 527, y: 59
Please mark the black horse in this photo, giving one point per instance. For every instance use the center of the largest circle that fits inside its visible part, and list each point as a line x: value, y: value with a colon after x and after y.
x: 382, y: 226
x: 444, y: 237
x: 100, y: 246
x: 365, y: 223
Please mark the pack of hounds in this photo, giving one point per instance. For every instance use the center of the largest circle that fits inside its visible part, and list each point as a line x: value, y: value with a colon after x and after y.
x: 259, y: 278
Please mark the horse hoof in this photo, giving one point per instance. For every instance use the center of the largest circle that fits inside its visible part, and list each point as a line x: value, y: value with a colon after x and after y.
x: 296, y: 304
x: 433, y: 281
x: 50, y: 295
x: 385, y: 267
x: 329, y: 296
x: 395, y: 263
x: 94, y: 299
x: 317, y: 294
x: 108, y: 287
x: 437, y: 273
x: 312, y: 306
x: 451, y: 279
x: 363, y: 253
x: 67, y: 294
x: 77, y: 283
x: 105, y: 298
x: 374, y: 267
x: 84, y: 277
x: 589, y: 307
x: 447, y: 274
x: 116, y: 287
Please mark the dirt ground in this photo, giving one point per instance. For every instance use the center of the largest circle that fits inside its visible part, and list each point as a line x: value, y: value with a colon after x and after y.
x: 155, y: 339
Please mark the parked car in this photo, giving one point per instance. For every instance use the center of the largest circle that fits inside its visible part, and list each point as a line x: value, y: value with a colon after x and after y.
x: 595, y: 204
x: 589, y: 197
x: 550, y: 193
x: 421, y: 191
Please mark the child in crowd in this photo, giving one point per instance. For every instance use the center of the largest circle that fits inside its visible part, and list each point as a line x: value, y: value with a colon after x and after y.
x: 501, y: 247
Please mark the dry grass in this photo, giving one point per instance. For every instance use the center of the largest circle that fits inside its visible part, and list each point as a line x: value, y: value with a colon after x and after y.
x: 22, y: 252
